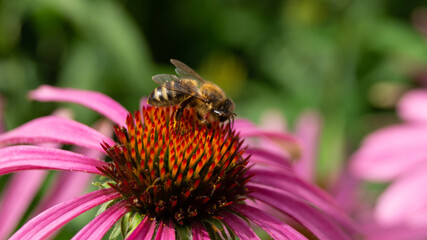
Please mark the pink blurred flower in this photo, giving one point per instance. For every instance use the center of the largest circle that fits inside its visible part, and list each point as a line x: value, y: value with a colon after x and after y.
x: 146, y: 168
x: 398, y: 154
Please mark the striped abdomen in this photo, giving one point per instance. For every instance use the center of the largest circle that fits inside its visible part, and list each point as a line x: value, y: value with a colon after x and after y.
x: 163, y: 96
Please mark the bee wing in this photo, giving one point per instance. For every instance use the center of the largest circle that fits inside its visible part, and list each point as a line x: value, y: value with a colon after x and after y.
x: 185, y: 71
x: 178, y: 85
x: 164, y: 78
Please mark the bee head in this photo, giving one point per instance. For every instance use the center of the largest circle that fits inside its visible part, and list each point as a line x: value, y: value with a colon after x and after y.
x: 225, y: 110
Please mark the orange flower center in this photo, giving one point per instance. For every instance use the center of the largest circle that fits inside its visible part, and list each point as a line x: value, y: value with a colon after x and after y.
x: 179, y: 172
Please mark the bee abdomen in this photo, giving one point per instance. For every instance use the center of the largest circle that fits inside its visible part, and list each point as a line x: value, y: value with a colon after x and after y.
x: 162, y: 96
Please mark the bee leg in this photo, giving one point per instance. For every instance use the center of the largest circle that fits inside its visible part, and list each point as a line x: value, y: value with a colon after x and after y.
x: 203, y: 120
x: 182, y: 105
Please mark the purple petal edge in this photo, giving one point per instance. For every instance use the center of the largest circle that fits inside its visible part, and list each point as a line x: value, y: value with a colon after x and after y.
x: 17, y: 158
x: 57, y: 130
x: 289, y: 182
x: 199, y: 232
x: 44, y: 224
x: 97, y: 228
x: 144, y: 231
x: 276, y: 228
x: 307, y: 215
x: 165, y: 231
x: 93, y: 100
x: 15, y: 202
x: 239, y: 226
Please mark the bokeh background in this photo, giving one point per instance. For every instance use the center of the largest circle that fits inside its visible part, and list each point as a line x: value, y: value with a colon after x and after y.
x: 349, y: 60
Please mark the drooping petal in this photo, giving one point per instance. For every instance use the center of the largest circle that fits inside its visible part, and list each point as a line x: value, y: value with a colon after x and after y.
x: 308, y: 130
x: 272, y: 120
x: 390, y: 152
x: 67, y: 186
x: 72, y: 184
x: 144, y: 231
x: 403, y: 202
x: 199, y: 232
x: 288, y: 182
x: 282, y: 140
x: 346, y: 192
x: 58, y: 130
x: 143, y: 103
x: 93, y: 100
x: 305, y: 214
x: 165, y: 231
x: 97, y: 228
x: 250, y: 130
x: 17, y: 158
x: 261, y: 156
x: 239, y: 226
x: 41, y: 226
x: 276, y: 228
x: 413, y: 106
x: 242, y: 123
x: 397, y: 232
x: 16, y: 197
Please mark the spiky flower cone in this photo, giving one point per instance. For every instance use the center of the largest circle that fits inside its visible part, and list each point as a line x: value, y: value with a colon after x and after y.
x: 176, y: 172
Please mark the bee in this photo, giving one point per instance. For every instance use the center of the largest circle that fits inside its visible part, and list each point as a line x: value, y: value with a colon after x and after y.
x: 189, y: 89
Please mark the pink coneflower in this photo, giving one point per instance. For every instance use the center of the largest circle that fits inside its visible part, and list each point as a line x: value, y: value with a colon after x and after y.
x: 171, y: 181
x: 398, y: 154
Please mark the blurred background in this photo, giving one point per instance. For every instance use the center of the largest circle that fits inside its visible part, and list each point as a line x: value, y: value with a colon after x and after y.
x: 349, y: 60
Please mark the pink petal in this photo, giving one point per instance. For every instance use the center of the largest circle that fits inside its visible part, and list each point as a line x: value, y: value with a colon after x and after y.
x: 143, y: 103
x: 247, y: 129
x: 288, y: 182
x: 272, y: 120
x: 67, y: 186
x: 413, y: 106
x: 239, y: 226
x: 52, y: 219
x: 404, y: 201
x: 56, y: 129
x: 17, y: 196
x: 241, y: 122
x: 399, y: 232
x: 144, y: 231
x: 93, y: 100
x: 308, y: 130
x: 346, y: 192
x: 305, y: 214
x: 199, y: 232
x: 289, y: 143
x: 276, y: 228
x: 17, y: 158
x: 261, y: 156
x: 165, y: 231
x: 97, y: 228
x: 72, y: 184
x: 389, y: 152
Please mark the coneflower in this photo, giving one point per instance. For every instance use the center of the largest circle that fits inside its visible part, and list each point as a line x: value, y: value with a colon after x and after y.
x: 166, y: 180
x: 398, y: 154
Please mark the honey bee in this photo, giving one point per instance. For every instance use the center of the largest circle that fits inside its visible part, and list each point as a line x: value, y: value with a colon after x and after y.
x: 190, y: 89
